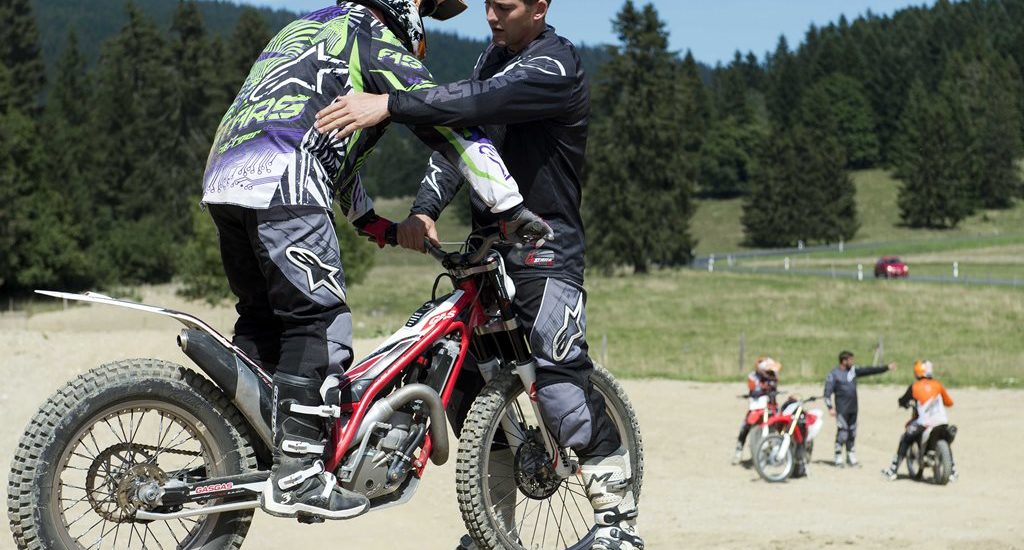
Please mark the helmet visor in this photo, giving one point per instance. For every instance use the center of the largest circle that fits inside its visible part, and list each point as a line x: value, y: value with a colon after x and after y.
x: 442, y: 10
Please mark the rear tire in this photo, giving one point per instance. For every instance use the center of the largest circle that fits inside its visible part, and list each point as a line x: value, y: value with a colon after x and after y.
x: 943, y: 462
x: 473, y: 483
x: 68, y: 432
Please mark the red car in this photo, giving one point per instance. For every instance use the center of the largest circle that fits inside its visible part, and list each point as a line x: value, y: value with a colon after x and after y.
x: 891, y: 267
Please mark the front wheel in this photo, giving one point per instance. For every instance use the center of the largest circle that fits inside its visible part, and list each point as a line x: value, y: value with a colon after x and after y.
x: 515, y: 500
x: 915, y: 460
x: 82, y: 464
x: 770, y: 466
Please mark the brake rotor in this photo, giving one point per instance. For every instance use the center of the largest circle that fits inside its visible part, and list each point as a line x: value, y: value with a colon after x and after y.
x: 534, y: 469
x: 128, y: 489
x: 106, y: 475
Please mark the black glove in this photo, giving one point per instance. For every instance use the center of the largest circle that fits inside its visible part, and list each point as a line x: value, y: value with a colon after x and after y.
x: 523, y: 227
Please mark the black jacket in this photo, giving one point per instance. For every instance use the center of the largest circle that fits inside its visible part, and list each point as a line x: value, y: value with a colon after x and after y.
x: 535, y: 106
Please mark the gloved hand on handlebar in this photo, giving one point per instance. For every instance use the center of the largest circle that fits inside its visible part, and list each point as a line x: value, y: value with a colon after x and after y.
x: 523, y: 227
x: 376, y: 229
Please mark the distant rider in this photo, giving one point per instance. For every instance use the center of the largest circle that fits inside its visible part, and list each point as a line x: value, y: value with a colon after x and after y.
x: 842, y: 382
x: 929, y: 399
x: 762, y: 381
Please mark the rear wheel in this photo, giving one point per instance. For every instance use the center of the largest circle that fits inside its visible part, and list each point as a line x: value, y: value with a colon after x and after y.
x: 943, y: 462
x: 769, y: 464
x: 92, y: 450
x: 524, y: 504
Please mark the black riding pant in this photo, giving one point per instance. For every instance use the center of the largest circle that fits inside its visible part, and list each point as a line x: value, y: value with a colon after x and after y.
x: 284, y: 266
x: 553, y: 317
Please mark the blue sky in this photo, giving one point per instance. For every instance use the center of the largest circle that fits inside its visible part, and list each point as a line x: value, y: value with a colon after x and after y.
x: 713, y: 29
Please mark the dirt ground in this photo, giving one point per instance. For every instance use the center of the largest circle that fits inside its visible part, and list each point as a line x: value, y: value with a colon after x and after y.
x: 693, y: 497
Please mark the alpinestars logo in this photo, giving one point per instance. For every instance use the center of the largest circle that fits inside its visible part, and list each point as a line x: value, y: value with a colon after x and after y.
x: 570, y: 332
x: 318, y: 274
x: 284, y: 75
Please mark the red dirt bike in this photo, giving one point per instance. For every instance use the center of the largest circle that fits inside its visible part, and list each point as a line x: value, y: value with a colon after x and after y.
x: 760, y: 410
x: 144, y: 453
x: 789, y: 449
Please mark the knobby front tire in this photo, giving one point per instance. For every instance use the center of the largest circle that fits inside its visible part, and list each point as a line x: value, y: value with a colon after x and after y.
x: 561, y: 519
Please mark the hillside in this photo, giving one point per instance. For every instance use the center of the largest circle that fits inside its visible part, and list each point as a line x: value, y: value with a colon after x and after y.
x: 718, y: 229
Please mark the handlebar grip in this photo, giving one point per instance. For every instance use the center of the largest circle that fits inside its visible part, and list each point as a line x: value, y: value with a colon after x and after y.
x: 391, y: 235
x: 433, y: 250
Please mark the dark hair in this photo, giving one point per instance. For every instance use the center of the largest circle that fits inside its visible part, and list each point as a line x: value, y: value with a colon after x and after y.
x: 532, y: 2
x: 844, y: 355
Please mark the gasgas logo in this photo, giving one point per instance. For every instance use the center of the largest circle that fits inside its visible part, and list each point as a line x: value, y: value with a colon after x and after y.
x: 431, y: 322
x: 216, y: 487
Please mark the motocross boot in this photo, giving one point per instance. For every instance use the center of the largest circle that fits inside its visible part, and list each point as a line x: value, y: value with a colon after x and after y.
x: 299, y: 486
x: 839, y: 462
x: 504, y: 495
x: 890, y: 472
x: 609, y: 486
x: 738, y: 456
x: 851, y: 459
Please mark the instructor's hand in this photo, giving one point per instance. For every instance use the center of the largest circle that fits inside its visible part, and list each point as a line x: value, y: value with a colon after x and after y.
x: 352, y: 112
x: 892, y: 366
x: 832, y: 413
x: 412, y: 231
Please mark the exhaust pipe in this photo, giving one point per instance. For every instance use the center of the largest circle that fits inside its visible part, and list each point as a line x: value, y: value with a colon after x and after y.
x: 241, y: 385
x: 383, y: 409
x: 253, y: 398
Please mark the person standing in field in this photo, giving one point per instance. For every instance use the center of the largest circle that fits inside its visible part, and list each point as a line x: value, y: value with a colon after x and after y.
x: 841, y: 383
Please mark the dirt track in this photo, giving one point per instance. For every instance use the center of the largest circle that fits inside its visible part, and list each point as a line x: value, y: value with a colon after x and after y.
x: 692, y: 498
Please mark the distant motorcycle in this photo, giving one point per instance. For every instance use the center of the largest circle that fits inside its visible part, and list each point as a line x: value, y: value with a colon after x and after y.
x: 760, y: 410
x: 931, y: 450
x: 788, y: 450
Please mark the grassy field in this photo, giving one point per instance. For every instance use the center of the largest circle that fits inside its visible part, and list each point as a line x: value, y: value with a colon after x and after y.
x: 687, y: 325
x: 717, y: 225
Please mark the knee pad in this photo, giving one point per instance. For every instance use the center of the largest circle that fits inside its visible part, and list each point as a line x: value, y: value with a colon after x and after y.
x: 566, y: 414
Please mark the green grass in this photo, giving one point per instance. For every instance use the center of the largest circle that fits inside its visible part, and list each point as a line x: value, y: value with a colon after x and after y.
x: 688, y: 325
x: 684, y: 324
x: 717, y: 227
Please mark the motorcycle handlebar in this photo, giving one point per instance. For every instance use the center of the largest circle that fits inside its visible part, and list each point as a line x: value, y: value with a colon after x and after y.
x: 449, y: 259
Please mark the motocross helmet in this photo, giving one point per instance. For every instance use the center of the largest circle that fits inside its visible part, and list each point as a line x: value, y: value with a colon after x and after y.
x: 769, y: 367
x: 405, y: 18
x: 923, y: 369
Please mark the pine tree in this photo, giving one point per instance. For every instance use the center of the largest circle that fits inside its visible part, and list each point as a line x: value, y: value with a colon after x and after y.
x: 248, y: 40
x: 728, y: 158
x: 984, y: 89
x: 801, y: 193
x: 837, y: 105
x: 637, y: 202
x: 138, y: 183
x: 696, y: 107
x: 929, y: 161
x: 19, y: 52
x: 784, y: 84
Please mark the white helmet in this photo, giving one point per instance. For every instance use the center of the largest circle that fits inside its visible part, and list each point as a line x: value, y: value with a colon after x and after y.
x: 768, y: 366
x: 405, y: 18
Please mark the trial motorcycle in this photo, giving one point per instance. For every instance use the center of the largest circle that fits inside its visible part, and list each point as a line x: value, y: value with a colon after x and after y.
x: 144, y: 453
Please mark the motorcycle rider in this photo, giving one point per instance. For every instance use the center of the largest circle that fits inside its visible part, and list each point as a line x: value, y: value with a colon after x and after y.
x: 763, y: 380
x: 529, y: 91
x: 269, y: 184
x: 842, y: 382
x: 930, y: 400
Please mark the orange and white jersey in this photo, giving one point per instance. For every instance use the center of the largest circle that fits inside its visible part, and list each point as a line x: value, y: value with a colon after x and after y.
x: 931, y: 401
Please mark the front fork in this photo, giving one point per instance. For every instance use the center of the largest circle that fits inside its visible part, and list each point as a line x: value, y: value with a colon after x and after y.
x: 527, y: 372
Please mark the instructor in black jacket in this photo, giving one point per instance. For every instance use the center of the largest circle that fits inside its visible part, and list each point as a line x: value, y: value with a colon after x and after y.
x: 529, y: 93
x: 842, y: 383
